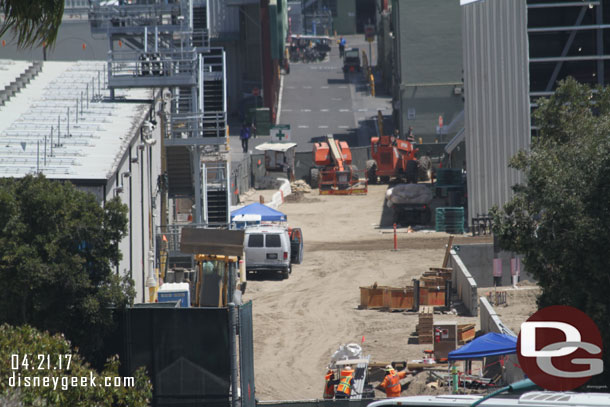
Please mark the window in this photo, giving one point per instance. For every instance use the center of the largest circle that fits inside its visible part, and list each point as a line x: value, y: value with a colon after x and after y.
x: 273, y: 241
x: 255, y: 240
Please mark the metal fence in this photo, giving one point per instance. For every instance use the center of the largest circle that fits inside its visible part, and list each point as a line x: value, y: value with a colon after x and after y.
x: 246, y: 356
x: 240, y: 178
x: 316, y: 403
x: 185, y: 352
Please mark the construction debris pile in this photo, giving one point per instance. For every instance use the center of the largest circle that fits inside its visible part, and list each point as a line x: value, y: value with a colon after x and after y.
x: 300, y: 186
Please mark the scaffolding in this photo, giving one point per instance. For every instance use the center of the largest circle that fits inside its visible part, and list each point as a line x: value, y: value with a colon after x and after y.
x: 164, y: 44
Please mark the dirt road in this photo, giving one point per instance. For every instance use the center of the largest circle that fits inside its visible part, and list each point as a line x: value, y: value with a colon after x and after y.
x: 300, y: 322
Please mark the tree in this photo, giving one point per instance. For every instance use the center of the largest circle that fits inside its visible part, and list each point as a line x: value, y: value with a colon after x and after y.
x: 33, y: 22
x: 58, y: 258
x: 40, y: 355
x: 560, y: 219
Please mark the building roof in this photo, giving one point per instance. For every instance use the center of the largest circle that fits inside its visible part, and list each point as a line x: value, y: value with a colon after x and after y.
x: 99, y: 133
x: 10, y: 70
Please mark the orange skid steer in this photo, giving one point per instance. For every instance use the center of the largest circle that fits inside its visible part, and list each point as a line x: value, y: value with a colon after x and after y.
x: 334, y: 173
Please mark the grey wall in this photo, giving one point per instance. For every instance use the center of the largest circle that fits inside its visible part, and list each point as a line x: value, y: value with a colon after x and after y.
x: 497, y: 111
x: 463, y: 283
x: 428, y: 55
x: 490, y: 322
x: 478, y: 258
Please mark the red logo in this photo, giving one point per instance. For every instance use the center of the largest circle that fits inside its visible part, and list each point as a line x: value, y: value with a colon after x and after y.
x: 560, y: 348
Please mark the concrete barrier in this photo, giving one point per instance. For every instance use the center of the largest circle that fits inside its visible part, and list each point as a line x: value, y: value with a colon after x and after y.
x: 465, y: 285
x: 283, y: 191
x: 490, y: 322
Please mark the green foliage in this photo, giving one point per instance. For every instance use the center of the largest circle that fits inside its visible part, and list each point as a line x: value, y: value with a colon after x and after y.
x: 33, y: 22
x: 59, y: 247
x: 560, y: 219
x: 26, y: 340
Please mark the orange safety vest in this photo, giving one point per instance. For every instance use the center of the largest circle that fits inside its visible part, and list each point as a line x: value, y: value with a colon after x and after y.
x: 329, y: 387
x: 345, y: 385
x: 393, y: 387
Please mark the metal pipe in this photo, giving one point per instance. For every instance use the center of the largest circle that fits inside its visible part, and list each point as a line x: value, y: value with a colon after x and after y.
x: 568, y: 28
x: 68, y: 118
x: 45, y: 150
x: 76, y: 110
x: 51, y: 141
x: 37, y: 156
x: 570, y: 59
x: 87, y: 96
x: 567, y: 4
x: 156, y: 39
x: 58, y: 132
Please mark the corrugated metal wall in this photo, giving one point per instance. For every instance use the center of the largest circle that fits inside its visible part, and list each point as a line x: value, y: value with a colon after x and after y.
x: 497, y: 111
x: 224, y: 19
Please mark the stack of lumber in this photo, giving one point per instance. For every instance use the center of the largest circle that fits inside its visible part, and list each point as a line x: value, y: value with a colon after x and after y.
x: 466, y: 333
x: 424, y: 327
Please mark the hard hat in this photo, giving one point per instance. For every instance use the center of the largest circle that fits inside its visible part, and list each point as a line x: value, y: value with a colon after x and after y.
x: 348, y: 367
x: 388, y: 368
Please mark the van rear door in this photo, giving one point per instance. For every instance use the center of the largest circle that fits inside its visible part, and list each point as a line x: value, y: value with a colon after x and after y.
x: 255, y: 248
x: 275, y: 251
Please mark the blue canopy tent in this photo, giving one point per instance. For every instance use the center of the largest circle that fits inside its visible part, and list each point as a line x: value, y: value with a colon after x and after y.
x: 490, y: 344
x: 267, y: 214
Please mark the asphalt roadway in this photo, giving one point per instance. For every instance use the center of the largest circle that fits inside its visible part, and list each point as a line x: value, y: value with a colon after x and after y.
x: 318, y: 99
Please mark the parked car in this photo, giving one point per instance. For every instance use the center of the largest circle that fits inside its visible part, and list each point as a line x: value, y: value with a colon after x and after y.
x: 351, y: 60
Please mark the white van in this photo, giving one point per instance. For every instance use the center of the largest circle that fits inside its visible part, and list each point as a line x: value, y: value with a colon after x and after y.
x: 268, y: 249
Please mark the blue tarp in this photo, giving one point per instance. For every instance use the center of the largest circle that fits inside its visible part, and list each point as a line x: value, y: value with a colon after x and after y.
x: 267, y: 214
x: 487, y: 345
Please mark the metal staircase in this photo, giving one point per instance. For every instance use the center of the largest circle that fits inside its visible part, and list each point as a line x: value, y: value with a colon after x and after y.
x: 164, y: 44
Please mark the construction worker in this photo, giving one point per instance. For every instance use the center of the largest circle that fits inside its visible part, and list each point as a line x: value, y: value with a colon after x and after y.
x: 391, y: 382
x: 329, y: 386
x: 346, y: 383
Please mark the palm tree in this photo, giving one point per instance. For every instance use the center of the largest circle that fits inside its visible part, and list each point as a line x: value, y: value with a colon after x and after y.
x: 32, y: 22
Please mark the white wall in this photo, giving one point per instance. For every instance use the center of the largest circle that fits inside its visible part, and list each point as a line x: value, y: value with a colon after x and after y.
x: 137, y: 193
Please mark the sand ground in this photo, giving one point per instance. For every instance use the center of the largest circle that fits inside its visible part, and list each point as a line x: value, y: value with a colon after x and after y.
x: 300, y: 322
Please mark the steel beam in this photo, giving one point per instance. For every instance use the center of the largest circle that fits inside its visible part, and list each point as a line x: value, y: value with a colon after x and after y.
x: 566, y: 48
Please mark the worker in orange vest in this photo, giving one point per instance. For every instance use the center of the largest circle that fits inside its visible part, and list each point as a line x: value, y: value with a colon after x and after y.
x: 329, y: 386
x: 391, y: 382
x: 346, y: 383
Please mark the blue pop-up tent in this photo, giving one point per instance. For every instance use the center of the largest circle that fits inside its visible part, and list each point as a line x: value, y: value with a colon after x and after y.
x: 487, y: 345
x: 267, y: 214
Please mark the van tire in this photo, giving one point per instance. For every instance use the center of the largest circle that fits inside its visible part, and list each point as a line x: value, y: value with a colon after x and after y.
x: 286, y: 273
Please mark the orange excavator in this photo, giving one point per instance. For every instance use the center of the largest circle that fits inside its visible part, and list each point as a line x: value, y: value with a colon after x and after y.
x: 334, y: 173
x: 392, y: 158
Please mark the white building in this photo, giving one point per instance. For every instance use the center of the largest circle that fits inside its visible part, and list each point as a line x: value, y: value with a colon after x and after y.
x: 62, y: 124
